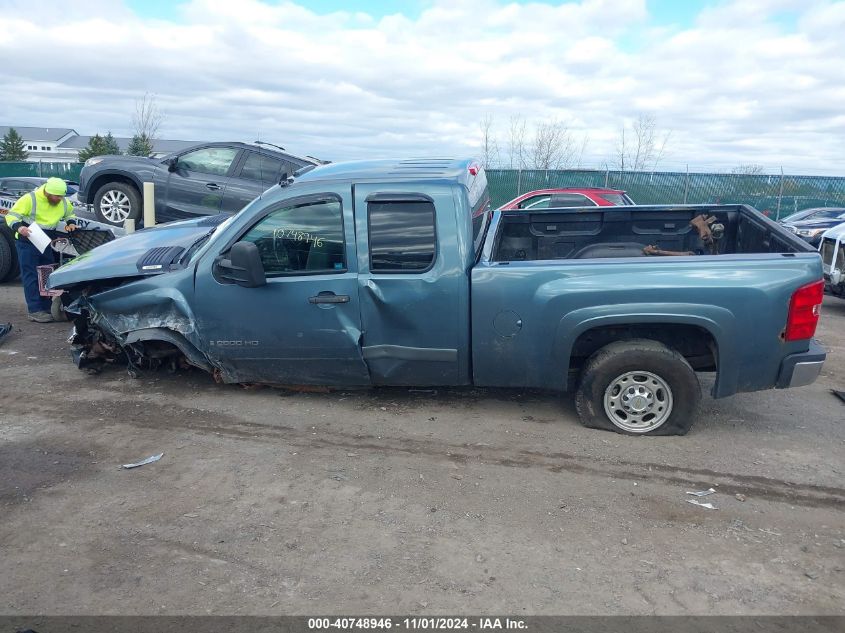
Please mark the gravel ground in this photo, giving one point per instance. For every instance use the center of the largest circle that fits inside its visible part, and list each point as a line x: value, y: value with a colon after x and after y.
x: 400, y: 501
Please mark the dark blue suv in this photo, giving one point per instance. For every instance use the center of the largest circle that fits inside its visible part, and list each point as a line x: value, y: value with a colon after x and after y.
x: 205, y: 179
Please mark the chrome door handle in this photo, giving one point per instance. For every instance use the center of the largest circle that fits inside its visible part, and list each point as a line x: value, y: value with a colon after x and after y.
x: 329, y: 297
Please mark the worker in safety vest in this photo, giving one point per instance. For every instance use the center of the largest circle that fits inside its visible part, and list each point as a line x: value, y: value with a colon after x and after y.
x: 48, y: 207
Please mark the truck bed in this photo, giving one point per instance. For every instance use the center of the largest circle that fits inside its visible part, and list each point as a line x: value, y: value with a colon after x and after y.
x: 594, y: 233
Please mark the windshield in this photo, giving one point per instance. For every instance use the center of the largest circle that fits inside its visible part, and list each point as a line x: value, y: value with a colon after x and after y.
x: 618, y: 199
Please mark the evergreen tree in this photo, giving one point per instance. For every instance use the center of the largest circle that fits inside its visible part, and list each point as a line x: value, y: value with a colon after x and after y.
x: 96, y: 147
x: 99, y: 146
x: 12, y: 146
x: 141, y: 145
x: 112, y: 148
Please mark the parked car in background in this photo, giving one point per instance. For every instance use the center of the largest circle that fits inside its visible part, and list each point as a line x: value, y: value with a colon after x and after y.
x: 569, y: 197
x: 832, y: 249
x: 12, y: 188
x: 815, y: 213
x: 16, y: 186
x: 812, y: 228
x: 205, y: 179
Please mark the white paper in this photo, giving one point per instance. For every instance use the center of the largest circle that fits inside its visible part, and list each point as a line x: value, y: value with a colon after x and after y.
x: 702, y: 493
x: 144, y: 462
x: 38, y: 237
x: 695, y: 502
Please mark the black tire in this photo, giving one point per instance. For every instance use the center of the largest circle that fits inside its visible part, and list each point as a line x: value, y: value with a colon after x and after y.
x: 619, y: 362
x: 9, y: 265
x: 117, y: 190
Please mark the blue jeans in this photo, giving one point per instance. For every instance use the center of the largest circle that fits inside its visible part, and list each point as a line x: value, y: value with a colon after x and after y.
x: 29, y: 257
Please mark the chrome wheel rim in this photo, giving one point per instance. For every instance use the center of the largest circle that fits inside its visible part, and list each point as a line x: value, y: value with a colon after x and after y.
x: 115, y: 205
x: 638, y: 401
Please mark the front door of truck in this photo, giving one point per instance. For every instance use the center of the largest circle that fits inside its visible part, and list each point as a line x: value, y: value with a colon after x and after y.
x: 303, y: 327
x: 412, y: 286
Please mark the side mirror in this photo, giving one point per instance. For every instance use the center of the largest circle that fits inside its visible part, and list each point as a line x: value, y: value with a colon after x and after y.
x: 172, y: 164
x: 243, y: 266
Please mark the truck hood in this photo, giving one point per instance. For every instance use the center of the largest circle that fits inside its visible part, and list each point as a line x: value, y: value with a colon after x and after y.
x: 146, y: 252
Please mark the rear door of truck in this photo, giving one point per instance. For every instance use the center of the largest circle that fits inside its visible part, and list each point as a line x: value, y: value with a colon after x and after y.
x: 412, y: 286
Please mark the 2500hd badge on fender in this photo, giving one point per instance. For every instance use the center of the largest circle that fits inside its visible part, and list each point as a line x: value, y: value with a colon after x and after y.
x: 397, y: 273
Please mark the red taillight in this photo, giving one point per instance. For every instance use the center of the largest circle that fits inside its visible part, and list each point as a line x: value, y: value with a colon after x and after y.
x: 804, y: 309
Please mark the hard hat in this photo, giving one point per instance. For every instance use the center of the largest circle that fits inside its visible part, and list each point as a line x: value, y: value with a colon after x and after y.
x: 55, y: 187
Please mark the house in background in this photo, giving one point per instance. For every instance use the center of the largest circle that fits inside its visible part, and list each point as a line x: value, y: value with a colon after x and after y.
x: 62, y: 145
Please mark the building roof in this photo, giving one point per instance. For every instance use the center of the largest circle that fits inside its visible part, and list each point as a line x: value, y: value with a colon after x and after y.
x: 160, y: 146
x: 38, y: 133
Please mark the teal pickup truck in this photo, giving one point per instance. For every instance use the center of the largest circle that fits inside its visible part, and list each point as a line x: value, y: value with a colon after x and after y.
x: 398, y: 273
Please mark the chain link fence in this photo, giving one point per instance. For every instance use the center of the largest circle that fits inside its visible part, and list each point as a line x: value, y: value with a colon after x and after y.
x: 41, y: 169
x: 778, y: 195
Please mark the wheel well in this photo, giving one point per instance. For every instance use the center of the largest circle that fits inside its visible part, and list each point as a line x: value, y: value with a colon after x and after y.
x: 99, y: 181
x: 694, y: 343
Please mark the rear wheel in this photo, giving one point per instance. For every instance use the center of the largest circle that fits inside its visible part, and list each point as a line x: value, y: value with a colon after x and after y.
x: 116, y: 202
x: 638, y: 387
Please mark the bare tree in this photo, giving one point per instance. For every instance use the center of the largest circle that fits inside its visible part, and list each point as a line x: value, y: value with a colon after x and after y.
x: 641, y: 148
x: 748, y: 170
x: 517, y: 143
x: 553, y: 146
x: 147, y: 119
x: 584, y: 142
x: 489, y: 145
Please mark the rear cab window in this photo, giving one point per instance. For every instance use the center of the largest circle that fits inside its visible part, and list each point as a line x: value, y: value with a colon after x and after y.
x: 402, y: 235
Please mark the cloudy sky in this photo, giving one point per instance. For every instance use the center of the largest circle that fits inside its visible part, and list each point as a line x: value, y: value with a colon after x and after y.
x: 734, y: 81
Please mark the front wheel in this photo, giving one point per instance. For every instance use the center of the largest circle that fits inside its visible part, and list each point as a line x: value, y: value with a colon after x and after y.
x: 116, y: 202
x: 638, y: 387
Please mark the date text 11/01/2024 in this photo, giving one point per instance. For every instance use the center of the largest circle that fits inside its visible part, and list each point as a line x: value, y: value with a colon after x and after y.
x: 416, y: 623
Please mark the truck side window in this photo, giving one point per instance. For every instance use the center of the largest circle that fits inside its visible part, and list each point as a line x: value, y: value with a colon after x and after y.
x: 402, y: 236
x: 301, y: 238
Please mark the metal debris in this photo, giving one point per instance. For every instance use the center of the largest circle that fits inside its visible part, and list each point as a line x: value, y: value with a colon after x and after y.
x: 695, y: 502
x: 702, y: 493
x: 838, y: 394
x: 144, y: 462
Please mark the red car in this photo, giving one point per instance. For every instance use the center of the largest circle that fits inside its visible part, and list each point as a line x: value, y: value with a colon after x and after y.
x: 570, y: 197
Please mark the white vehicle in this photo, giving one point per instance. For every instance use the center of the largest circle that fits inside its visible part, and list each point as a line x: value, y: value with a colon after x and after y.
x: 832, y: 249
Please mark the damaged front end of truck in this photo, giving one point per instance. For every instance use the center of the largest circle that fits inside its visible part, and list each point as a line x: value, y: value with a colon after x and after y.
x: 128, y: 300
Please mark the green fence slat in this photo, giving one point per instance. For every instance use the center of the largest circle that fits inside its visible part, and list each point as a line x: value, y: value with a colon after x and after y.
x: 68, y: 171
x: 759, y: 191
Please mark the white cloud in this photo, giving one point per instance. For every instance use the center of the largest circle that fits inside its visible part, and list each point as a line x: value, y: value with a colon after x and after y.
x: 743, y: 84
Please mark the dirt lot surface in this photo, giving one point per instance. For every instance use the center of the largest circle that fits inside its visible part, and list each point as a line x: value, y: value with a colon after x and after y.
x: 398, y: 501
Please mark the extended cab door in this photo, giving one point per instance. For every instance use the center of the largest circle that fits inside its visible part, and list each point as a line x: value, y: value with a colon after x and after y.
x: 413, y: 287
x: 303, y: 327
x: 198, y: 183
